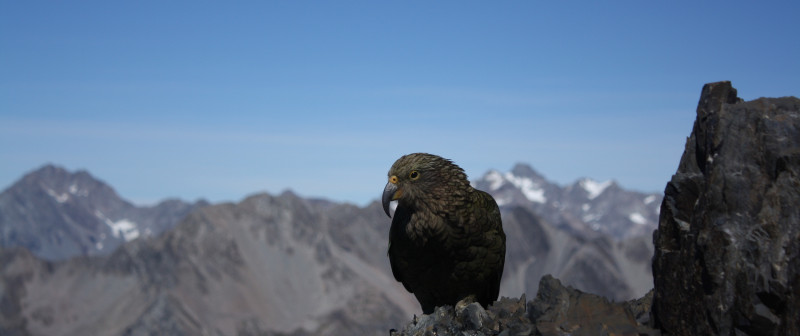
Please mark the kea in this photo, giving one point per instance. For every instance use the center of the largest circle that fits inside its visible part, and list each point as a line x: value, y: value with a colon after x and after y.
x: 446, y: 242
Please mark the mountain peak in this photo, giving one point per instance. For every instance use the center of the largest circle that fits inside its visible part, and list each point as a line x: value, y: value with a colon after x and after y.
x: 525, y: 170
x: 528, y: 182
x: 59, y: 214
x: 594, y: 188
x: 584, y: 207
x: 48, y: 172
x: 289, y: 194
x: 65, y: 186
x: 495, y: 179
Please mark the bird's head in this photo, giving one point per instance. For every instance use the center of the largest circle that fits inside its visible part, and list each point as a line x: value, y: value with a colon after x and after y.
x: 417, y: 177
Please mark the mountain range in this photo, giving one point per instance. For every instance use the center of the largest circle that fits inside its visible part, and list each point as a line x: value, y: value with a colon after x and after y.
x: 586, y: 208
x: 57, y: 214
x: 280, y: 264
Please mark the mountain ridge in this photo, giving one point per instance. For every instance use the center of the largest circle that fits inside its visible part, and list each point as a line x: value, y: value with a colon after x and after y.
x: 226, y: 268
x: 585, y: 207
x: 58, y: 214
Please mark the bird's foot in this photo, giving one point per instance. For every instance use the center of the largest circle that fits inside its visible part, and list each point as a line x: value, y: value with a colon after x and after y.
x: 471, y: 313
x: 460, y: 305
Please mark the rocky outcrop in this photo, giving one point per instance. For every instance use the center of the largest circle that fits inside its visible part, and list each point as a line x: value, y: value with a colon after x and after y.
x: 726, y: 259
x: 556, y: 310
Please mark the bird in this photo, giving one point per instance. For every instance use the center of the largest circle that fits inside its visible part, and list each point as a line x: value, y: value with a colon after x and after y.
x: 446, y: 240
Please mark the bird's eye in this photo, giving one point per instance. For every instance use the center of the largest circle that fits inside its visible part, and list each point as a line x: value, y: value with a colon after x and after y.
x: 414, y: 175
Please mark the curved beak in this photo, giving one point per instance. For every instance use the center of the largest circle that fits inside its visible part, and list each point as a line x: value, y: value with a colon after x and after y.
x: 390, y: 193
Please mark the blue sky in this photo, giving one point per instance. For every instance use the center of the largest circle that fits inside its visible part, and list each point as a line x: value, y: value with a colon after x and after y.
x: 218, y: 101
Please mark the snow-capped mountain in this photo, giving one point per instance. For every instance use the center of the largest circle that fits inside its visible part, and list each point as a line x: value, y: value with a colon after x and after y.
x: 585, y: 207
x: 282, y: 265
x: 272, y: 264
x: 57, y: 214
x: 268, y: 265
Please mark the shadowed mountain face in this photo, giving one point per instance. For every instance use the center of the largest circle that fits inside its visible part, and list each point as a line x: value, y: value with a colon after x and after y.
x: 57, y: 215
x: 619, y: 270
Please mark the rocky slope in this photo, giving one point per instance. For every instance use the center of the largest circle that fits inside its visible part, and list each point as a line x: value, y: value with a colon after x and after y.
x: 57, y: 215
x: 619, y: 270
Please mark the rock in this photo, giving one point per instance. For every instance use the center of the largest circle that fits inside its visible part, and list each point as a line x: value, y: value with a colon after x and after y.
x: 726, y: 251
x: 559, y: 310
x: 556, y: 310
x: 641, y: 308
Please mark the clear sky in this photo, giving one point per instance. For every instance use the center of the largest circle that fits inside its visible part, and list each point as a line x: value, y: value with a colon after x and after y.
x: 219, y: 100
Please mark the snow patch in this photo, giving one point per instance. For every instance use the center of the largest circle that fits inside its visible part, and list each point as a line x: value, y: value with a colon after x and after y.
x: 495, y: 180
x: 502, y: 201
x: 637, y: 218
x: 589, y: 218
x: 594, y: 188
x: 530, y: 189
x: 649, y: 199
x: 586, y: 207
x: 73, y: 189
x: 60, y: 198
x: 122, y: 228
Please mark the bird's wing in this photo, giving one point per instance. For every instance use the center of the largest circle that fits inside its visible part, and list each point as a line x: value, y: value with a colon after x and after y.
x: 398, y: 241
x: 494, y: 240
